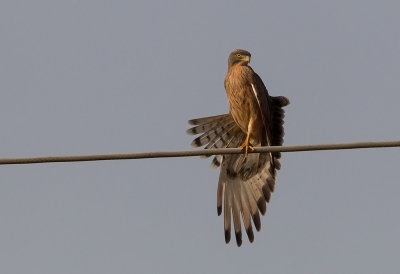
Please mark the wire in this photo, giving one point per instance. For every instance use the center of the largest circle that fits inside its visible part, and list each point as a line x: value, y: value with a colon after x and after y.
x: 193, y: 152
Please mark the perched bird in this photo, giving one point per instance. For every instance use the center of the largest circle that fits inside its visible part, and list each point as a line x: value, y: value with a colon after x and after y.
x: 255, y: 119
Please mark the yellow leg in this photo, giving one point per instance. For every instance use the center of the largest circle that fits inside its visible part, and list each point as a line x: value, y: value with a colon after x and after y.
x: 246, y: 144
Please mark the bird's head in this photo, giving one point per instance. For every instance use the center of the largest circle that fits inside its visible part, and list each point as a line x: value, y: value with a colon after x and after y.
x: 239, y: 57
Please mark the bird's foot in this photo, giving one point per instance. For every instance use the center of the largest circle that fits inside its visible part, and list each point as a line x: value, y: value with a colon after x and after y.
x: 246, y: 146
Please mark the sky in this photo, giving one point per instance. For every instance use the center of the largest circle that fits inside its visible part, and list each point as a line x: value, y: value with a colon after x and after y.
x: 89, y: 77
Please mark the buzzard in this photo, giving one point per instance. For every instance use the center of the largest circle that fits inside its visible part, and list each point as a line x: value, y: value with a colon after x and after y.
x: 255, y: 118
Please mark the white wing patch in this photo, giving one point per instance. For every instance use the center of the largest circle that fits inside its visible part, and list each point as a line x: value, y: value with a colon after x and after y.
x: 255, y: 94
x: 259, y: 105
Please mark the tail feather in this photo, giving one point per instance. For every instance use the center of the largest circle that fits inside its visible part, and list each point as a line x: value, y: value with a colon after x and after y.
x: 236, y: 210
x: 227, y: 214
x: 246, y: 215
x: 255, y: 215
x: 242, y: 199
x: 245, y: 182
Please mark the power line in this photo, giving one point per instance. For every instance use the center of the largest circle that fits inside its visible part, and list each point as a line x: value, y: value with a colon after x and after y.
x: 192, y: 152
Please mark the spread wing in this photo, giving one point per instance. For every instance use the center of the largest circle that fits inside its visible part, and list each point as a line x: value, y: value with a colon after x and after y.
x: 272, y: 113
x: 218, y: 131
x: 245, y: 183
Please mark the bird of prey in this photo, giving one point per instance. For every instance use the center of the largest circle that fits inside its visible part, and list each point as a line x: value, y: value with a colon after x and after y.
x: 255, y: 119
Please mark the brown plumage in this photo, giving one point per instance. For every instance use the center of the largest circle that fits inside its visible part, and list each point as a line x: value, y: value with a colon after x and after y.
x: 255, y: 119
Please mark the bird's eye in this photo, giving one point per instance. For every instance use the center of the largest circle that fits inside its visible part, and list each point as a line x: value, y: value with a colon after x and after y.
x: 238, y: 55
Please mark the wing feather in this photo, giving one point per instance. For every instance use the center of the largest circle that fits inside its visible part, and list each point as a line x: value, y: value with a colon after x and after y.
x: 245, y: 182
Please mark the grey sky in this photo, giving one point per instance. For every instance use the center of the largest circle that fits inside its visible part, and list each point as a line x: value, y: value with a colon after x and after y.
x: 124, y: 76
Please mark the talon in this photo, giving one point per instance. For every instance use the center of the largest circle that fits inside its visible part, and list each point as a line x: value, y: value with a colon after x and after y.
x: 246, y: 148
x: 246, y: 145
